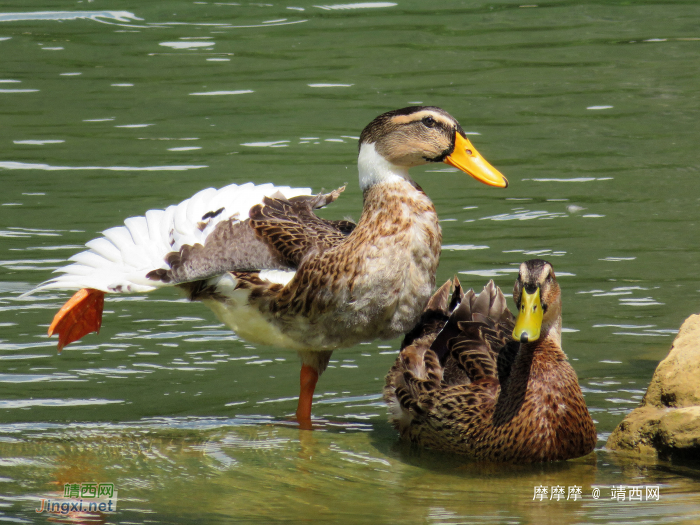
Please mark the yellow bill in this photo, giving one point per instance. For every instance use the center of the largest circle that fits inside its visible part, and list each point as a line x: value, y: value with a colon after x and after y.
x: 466, y: 158
x: 529, y: 323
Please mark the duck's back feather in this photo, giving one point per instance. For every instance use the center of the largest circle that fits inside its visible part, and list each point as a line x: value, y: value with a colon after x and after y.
x: 446, y: 348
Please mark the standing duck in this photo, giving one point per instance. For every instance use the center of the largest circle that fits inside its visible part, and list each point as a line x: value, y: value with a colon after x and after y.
x: 273, y: 271
x: 470, y: 380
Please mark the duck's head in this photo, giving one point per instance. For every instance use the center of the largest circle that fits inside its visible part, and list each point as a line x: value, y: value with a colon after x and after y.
x: 538, y: 299
x: 403, y: 138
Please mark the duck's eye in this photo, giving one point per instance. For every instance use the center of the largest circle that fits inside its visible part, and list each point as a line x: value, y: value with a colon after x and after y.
x: 429, y: 122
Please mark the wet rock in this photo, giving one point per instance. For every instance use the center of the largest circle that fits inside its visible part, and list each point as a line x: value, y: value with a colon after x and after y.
x: 667, y: 422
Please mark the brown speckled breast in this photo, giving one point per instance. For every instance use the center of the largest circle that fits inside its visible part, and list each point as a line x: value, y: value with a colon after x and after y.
x: 375, y: 284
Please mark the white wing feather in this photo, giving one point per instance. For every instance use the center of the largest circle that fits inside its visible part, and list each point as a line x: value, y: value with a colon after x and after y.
x: 120, y: 260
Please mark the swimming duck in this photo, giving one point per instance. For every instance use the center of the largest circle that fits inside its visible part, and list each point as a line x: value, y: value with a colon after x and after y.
x: 276, y: 273
x: 472, y: 380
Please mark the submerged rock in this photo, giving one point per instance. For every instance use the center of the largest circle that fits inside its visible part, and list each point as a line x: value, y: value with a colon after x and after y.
x: 667, y: 423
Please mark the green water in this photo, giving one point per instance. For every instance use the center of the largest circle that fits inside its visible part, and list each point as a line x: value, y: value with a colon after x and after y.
x: 589, y: 108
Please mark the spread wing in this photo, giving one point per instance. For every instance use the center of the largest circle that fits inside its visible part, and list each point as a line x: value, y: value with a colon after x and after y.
x: 278, y: 234
x: 120, y: 260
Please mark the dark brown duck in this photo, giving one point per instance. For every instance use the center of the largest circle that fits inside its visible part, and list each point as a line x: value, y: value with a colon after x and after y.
x: 471, y: 380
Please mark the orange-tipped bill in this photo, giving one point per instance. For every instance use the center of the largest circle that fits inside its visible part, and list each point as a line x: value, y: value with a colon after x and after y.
x: 81, y: 315
x: 527, y: 327
x: 466, y: 158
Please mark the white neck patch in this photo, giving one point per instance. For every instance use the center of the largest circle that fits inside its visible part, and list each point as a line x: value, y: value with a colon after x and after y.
x: 374, y: 168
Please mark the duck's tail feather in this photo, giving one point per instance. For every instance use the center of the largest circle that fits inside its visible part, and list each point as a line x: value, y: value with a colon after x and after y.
x: 489, y: 307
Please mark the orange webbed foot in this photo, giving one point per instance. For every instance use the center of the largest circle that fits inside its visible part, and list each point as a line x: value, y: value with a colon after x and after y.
x: 81, y: 315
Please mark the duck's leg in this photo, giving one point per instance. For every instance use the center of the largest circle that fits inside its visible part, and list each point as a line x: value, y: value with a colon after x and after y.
x: 81, y: 315
x: 307, y: 379
x: 312, y: 366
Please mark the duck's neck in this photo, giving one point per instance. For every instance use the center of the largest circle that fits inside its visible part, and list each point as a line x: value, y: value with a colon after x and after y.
x: 393, y: 202
x: 541, y: 356
x: 540, y: 372
x: 542, y: 394
x: 375, y: 169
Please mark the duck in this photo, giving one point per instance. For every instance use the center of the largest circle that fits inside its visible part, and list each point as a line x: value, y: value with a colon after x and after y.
x: 471, y: 379
x: 276, y: 273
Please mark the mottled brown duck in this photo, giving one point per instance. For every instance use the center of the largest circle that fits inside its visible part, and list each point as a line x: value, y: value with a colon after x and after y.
x: 276, y: 273
x: 471, y: 380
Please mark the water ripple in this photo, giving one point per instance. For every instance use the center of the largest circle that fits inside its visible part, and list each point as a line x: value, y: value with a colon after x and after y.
x: 97, y: 16
x: 215, y: 93
x: 24, y: 403
x: 38, y: 142
x: 359, y: 5
x: 36, y: 378
x: 573, y: 179
x: 525, y: 215
x: 186, y: 45
x: 9, y: 165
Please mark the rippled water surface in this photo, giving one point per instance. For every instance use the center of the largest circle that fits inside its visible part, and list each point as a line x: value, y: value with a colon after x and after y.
x: 114, y: 108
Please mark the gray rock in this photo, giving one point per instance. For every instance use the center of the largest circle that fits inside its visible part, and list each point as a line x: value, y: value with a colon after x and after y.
x: 667, y: 422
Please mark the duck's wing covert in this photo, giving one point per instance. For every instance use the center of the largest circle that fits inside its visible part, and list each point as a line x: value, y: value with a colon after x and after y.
x: 279, y: 233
